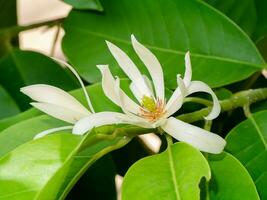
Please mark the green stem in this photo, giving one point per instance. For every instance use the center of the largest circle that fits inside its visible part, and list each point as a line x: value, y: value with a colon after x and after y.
x: 239, y: 99
x: 169, y: 139
x: 198, y: 100
x: 14, y: 30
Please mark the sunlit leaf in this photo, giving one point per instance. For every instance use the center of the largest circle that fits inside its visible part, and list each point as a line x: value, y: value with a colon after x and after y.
x: 173, y: 174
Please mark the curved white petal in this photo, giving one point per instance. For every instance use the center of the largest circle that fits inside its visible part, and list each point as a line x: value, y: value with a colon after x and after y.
x: 129, y: 68
x: 59, y: 112
x: 197, y: 137
x: 153, y: 66
x: 108, y: 85
x: 98, y: 119
x: 198, y: 86
x: 177, y: 98
x: 52, y: 130
x: 188, y: 70
x: 137, y: 94
x: 52, y: 95
x: 79, y: 79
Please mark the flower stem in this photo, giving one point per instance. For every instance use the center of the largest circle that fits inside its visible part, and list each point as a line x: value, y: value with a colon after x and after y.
x: 14, y: 30
x: 169, y: 139
x: 239, y: 99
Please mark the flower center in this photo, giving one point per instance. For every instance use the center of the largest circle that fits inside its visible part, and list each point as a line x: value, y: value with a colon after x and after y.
x: 152, y: 110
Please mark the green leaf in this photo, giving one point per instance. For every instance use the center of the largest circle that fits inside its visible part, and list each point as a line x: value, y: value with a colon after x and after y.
x: 250, y: 15
x: 85, y: 4
x: 8, y: 106
x: 21, y: 68
x: 173, y: 174
x: 8, y: 16
x: 169, y: 29
x: 24, y: 131
x: 229, y: 179
x: 248, y: 143
x: 48, y: 168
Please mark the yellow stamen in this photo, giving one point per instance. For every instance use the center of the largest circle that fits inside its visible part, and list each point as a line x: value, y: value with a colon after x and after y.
x: 152, y: 110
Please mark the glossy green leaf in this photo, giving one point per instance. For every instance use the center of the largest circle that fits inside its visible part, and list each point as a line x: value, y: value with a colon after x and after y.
x: 8, y: 106
x: 85, y: 4
x: 169, y: 29
x: 248, y: 143
x: 21, y: 68
x: 173, y: 174
x: 49, y: 167
x: 24, y: 131
x: 250, y: 15
x: 229, y: 179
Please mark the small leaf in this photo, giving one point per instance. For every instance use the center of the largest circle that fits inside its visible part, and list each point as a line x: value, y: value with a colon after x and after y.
x: 173, y: 174
x: 229, y: 179
x: 248, y: 143
x: 85, y: 4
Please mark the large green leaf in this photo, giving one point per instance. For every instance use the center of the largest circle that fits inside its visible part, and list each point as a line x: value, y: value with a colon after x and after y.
x: 21, y: 68
x: 248, y: 143
x: 85, y: 4
x: 250, y: 15
x: 49, y: 167
x: 173, y: 174
x: 8, y: 106
x: 229, y: 179
x: 169, y: 28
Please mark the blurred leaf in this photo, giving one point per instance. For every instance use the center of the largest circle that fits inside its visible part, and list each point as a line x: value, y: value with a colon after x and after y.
x: 8, y: 16
x: 223, y: 93
x: 229, y: 179
x: 173, y: 174
x: 98, y: 178
x: 8, y: 106
x: 248, y: 143
x: 85, y: 4
x: 169, y: 29
x: 250, y: 15
x: 21, y: 68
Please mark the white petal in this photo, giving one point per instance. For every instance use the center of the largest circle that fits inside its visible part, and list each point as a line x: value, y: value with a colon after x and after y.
x: 80, y: 81
x: 53, y: 95
x: 198, y: 86
x: 195, y: 136
x: 188, y: 70
x: 129, y: 68
x: 108, y: 85
x: 177, y: 98
x: 59, y: 112
x: 137, y: 94
x: 124, y: 104
x: 153, y: 66
x: 52, y: 130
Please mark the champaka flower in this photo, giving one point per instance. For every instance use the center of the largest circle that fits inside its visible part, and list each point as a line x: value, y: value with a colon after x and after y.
x: 58, y: 103
x: 152, y: 109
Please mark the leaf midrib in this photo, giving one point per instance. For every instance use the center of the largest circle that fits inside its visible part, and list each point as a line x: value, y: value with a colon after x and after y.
x: 258, y: 131
x: 175, y: 184
x: 211, y: 57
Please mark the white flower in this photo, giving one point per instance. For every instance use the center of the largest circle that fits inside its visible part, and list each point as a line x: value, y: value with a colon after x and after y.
x: 153, y: 111
x: 58, y: 103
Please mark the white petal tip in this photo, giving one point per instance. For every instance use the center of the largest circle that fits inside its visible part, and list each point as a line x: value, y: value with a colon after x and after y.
x: 133, y: 38
x: 102, y: 67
